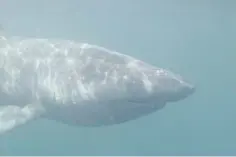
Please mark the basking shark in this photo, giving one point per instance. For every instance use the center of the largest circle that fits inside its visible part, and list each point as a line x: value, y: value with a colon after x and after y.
x: 79, y: 84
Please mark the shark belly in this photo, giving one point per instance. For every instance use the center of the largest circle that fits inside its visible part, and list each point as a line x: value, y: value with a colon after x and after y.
x: 102, y: 114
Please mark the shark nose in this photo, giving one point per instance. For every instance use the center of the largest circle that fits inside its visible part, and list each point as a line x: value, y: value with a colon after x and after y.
x: 188, y: 89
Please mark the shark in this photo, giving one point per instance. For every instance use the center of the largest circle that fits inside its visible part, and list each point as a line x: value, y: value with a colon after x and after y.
x: 79, y: 84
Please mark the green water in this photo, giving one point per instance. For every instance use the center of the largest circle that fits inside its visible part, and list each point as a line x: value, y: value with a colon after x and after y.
x: 193, y: 38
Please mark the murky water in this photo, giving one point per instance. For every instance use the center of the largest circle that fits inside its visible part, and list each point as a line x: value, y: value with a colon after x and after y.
x: 193, y: 38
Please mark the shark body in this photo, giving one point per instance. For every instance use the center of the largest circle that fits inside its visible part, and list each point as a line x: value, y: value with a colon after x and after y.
x: 79, y: 84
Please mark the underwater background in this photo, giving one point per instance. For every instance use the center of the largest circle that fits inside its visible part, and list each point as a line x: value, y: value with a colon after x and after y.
x: 194, y: 38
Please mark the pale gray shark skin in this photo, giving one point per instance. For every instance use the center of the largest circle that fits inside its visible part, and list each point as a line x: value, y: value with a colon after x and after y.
x: 79, y: 84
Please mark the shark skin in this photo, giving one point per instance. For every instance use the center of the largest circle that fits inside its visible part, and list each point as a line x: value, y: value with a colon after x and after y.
x: 79, y: 84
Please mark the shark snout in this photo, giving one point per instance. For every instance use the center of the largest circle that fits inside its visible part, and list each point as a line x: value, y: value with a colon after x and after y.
x: 172, y: 86
x: 187, y: 89
x: 183, y: 90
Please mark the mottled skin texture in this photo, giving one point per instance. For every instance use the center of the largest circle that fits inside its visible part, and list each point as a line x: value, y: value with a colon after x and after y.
x: 80, y: 84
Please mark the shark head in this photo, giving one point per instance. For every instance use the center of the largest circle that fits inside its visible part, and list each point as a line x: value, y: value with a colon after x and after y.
x: 156, y: 84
